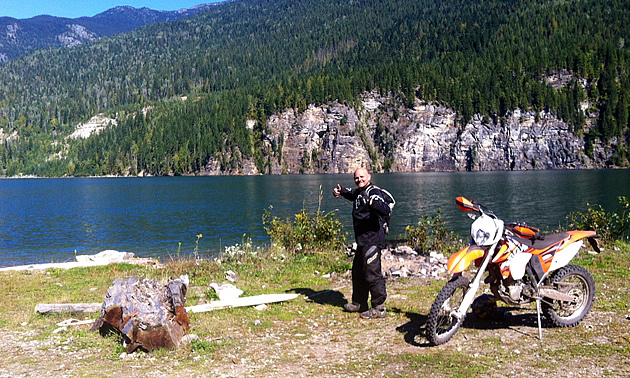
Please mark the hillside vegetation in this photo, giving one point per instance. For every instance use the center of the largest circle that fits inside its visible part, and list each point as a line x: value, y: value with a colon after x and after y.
x: 249, y: 59
x: 23, y: 36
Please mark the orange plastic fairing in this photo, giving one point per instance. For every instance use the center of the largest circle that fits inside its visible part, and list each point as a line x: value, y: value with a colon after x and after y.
x: 503, y: 253
x: 547, y: 254
x: 465, y: 204
x: 461, y: 260
x: 577, y: 234
x: 526, y: 232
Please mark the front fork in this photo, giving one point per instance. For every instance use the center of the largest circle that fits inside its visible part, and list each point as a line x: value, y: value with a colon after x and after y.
x: 469, y: 297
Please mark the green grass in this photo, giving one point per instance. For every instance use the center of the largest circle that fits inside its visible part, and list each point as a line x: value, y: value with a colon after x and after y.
x: 311, y: 337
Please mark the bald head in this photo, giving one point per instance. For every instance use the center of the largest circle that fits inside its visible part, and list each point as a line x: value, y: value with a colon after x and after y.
x: 362, y: 177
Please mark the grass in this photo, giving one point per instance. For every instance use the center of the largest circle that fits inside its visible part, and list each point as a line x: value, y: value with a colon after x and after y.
x: 310, y: 337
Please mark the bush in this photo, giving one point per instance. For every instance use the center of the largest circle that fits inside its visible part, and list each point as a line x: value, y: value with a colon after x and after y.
x: 306, y: 233
x: 430, y: 234
x: 610, y: 226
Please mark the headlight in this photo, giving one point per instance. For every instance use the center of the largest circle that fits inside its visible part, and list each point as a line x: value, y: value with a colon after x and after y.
x: 486, y: 230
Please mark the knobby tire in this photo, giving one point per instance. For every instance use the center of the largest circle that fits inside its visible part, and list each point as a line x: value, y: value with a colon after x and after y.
x: 441, y: 325
x: 570, y: 314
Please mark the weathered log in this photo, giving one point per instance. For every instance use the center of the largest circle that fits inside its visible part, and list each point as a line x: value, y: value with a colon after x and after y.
x: 147, y: 314
x: 73, y: 308
x: 242, y: 302
x: 102, y: 258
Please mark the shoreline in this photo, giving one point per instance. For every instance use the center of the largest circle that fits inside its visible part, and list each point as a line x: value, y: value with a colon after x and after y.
x: 200, y: 174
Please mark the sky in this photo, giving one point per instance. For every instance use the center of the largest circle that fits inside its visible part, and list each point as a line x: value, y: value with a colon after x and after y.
x: 79, y: 8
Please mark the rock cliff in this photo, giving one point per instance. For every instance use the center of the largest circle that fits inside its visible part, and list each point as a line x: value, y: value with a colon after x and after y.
x: 384, y: 135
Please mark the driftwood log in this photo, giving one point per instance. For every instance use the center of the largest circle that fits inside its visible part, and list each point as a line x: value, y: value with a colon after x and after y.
x: 73, y: 308
x: 149, y: 315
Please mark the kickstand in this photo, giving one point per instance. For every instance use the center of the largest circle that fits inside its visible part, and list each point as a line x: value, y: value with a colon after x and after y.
x: 539, y: 325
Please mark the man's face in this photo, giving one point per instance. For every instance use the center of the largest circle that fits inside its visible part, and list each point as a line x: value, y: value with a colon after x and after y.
x: 362, y: 178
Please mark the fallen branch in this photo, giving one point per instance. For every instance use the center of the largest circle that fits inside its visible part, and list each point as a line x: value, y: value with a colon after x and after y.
x: 85, y: 261
x: 242, y: 302
x: 73, y: 308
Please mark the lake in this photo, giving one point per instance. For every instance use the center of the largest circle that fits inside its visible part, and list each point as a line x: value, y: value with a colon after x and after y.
x: 49, y: 220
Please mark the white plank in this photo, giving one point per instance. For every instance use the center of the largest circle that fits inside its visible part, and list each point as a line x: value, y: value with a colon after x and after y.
x: 242, y: 302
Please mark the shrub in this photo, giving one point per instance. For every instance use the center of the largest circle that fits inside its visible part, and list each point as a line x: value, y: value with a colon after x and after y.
x: 610, y: 226
x: 430, y: 234
x: 306, y: 233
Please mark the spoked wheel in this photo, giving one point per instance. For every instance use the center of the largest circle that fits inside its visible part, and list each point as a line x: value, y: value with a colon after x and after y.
x: 578, y: 283
x: 442, y: 324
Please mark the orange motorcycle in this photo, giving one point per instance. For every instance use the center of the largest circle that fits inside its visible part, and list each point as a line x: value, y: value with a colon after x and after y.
x: 522, y: 267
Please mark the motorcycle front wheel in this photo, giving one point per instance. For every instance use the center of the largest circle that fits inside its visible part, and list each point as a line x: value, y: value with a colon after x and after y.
x: 442, y: 324
x: 578, y: 283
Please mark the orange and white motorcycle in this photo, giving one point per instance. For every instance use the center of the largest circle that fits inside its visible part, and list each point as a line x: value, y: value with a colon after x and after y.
x: 522, y: 267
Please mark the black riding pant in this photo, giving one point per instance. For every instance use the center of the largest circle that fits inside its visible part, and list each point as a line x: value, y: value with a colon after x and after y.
x: 367, y: 277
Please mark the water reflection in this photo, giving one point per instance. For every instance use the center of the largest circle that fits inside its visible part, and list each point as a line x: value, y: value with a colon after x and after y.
x: 46, y: 220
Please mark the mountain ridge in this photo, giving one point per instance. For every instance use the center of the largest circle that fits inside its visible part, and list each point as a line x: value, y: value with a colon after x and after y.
x: 19, y: 37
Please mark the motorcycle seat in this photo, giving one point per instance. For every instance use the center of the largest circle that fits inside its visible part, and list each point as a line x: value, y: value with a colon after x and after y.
x: 543, y: 242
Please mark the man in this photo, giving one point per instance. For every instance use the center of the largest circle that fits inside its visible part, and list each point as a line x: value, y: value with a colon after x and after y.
x: 367, y: 218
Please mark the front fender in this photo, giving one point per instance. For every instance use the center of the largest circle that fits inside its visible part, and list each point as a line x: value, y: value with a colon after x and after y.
x: 461, y: 260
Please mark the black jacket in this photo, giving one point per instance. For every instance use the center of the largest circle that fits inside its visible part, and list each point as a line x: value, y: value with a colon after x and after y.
x: 367, y: 218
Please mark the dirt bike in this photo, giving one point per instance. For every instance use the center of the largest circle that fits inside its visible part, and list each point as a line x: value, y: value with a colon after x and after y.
x: 522, y: 267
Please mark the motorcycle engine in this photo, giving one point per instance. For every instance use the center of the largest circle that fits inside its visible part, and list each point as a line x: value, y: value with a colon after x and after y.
x: 510, y: 291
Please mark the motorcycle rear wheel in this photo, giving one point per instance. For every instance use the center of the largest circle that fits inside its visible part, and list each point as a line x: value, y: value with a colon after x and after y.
x: 441, y: 323
x: 579, y: 284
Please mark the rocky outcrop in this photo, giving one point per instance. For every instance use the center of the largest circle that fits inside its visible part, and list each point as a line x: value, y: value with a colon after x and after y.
x: 76, y: 35
x: 520, y: 143
x: 321, y: 139
x: 8, y: 137
x: 95, y: 125
x: 384, y: 135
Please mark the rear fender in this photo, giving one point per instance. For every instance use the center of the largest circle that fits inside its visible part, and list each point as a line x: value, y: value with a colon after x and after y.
x: 461, y: 260
x: 577, y: 234
x: 565, y: 255
x: 564, y: 251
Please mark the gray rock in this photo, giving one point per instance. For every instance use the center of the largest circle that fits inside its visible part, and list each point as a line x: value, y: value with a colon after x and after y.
x: 327, y: 139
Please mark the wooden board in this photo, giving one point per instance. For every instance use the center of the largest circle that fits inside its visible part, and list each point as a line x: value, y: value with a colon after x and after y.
x: 242, y: 302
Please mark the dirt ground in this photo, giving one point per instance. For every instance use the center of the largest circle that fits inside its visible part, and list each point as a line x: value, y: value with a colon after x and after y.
x: 324, y: 341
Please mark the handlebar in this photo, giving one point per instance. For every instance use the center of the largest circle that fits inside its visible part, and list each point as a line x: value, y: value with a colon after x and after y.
x: 519, y: 228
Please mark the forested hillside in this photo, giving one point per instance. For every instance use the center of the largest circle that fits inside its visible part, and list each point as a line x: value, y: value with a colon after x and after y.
x: 249, y: 59
x: 22, y: 36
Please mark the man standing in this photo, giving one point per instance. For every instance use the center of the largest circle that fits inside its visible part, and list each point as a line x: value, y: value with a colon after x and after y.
x: 367, y: 218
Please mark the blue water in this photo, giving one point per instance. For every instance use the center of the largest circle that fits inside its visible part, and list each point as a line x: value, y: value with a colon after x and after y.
x: 49, y: 220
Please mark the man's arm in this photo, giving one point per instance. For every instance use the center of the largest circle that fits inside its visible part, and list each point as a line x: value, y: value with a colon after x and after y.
x: 346, y: 193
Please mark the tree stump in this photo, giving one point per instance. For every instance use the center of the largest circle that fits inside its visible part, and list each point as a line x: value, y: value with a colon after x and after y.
x: 147, y: 314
